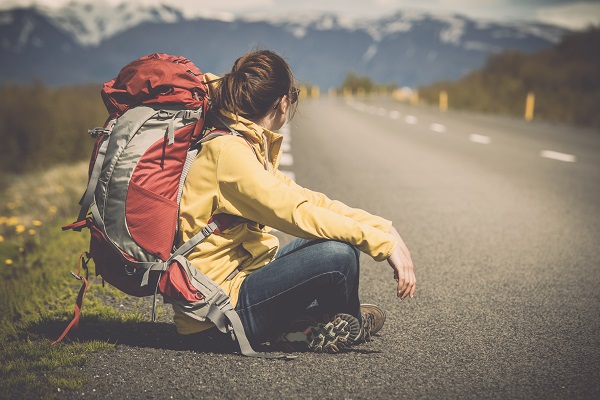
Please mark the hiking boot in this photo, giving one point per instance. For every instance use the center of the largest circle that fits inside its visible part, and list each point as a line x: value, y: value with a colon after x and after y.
x: 373, y: 319
x: 332, y: 336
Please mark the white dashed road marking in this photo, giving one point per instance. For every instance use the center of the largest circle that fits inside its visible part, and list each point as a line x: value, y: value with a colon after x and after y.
x: 480, y: 139
x: 286, y: 159
x: 555, y: 155
x: 438, y: 128
x: 411, y: 119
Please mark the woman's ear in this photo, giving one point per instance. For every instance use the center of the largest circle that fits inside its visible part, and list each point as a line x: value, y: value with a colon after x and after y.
x: 284, y: 104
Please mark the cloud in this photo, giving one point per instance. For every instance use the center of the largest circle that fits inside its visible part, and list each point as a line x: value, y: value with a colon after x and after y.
x: 576, y: 14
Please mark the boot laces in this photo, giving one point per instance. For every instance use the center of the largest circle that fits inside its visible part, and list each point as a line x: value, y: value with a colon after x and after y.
x: 368, y: 323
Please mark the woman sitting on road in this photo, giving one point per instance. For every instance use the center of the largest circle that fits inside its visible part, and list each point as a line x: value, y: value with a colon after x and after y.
x: 304, y: 295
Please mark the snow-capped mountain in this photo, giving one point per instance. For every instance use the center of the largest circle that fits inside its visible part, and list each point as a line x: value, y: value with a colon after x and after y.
x: 90, y: 24
x: 91, y: 42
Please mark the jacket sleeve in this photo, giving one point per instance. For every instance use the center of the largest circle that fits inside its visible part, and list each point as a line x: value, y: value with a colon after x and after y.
x: 321, y: 200
x: 247, y: 190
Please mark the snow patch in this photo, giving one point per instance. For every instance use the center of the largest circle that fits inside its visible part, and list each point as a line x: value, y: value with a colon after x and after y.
x: 28, y: 27
x: 299, y: 31
x: 398, y: 26
x: 453, y: 31
x: 549, y: 33
x: 370, y: 53
x: 480, y: 46
x: 507, y: 34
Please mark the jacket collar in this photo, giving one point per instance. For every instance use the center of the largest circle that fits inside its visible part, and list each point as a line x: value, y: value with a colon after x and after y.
x: 266, y: 143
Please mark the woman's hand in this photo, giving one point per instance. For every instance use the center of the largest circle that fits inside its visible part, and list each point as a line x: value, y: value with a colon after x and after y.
x: 403, y: 267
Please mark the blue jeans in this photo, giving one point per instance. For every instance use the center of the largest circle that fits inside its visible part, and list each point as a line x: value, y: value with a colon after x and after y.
x: 318, y: 276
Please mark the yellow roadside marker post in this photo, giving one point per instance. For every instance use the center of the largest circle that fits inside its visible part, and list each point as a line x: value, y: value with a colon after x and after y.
x: 443, y: 100
x: 414, y: 98
x: 529, y: 106
x: 315, y: 92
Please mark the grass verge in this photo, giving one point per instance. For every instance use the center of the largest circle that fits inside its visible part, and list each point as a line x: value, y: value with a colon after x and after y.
x: 37, y: 291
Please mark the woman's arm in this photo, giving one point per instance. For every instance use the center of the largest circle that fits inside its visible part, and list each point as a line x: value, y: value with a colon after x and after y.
x: 321, y: 200
x: 247, y: 190
x: 402, y: 264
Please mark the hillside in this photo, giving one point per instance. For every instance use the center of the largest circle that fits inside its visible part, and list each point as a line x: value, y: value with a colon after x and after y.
x: 565, y: 79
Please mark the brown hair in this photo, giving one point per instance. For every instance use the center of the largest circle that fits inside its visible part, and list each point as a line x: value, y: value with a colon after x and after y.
x: 254, y: 84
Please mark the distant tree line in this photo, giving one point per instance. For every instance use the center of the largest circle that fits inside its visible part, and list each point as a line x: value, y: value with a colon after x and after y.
x: 565, y: 80
x: 355, y: 83
x: 41, y: 126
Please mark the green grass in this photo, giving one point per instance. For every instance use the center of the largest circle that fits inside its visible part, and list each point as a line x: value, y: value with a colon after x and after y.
x: 37, y: 291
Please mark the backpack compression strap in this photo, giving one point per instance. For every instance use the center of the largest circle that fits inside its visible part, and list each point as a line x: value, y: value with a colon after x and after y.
x: 216, y: 224
x: 83, y: 261
x: 220, y: 310
x: 88, y: 196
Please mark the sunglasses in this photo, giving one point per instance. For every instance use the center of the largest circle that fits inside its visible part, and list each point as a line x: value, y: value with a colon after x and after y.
x: 292, y: 95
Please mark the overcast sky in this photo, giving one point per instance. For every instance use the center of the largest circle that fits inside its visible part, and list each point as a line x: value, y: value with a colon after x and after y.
x: 568, y: 13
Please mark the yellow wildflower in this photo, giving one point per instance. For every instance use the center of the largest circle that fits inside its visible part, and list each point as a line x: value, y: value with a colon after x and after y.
x: 12, y: 221
x: 31, y: 232
x: 8, y: 261
x: 19, y: 229
x: 3, y: 220
x: 1, y: 238
x: 52, y: 210
x: 36, y: 222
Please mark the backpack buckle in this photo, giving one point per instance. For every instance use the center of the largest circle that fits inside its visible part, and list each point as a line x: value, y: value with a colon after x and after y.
x: 96, y: 132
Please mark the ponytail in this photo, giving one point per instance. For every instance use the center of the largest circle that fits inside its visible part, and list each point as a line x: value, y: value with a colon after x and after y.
x: 254, y: 84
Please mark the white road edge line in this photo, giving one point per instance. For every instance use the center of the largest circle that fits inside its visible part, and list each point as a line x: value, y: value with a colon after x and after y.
x: 289, y: 174
x: 555, y: 155
x: 287, y: 160
x: 481, y: 139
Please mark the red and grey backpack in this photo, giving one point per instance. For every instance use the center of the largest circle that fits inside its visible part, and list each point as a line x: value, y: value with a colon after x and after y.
x: 157, y: 106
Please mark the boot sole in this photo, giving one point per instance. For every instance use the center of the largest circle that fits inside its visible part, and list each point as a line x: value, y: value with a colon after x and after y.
x: 331, y: 337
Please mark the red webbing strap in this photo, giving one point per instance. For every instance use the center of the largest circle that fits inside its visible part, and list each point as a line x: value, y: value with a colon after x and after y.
x: 223, y: 221
x: 78, y: 225
x: 83, y: 260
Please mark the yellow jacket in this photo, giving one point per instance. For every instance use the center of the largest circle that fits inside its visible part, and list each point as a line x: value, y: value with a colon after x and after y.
x: 239, y: 176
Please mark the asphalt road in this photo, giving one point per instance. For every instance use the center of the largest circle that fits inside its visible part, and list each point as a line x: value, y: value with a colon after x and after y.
x: 506, y: 244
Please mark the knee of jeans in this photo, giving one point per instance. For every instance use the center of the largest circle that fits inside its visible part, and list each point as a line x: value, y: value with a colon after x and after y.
x: 343, y: 255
